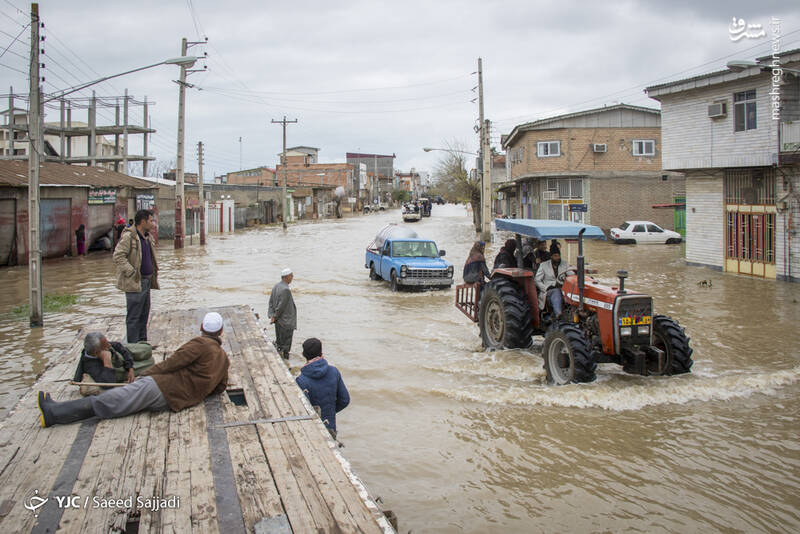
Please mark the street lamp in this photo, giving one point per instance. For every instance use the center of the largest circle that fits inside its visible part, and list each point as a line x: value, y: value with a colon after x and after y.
x: 738, y: 65
x: 429, y: 149
x: 35, y: 147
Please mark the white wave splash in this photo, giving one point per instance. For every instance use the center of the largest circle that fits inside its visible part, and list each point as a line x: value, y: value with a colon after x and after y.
x: 617, y: 395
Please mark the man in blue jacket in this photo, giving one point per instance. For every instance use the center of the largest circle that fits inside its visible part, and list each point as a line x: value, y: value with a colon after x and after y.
x: 322, y: 384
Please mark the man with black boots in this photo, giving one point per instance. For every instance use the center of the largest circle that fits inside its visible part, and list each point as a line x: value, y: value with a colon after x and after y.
x: 283, y: 313
x: 196, y: 370
x: 322, y: 384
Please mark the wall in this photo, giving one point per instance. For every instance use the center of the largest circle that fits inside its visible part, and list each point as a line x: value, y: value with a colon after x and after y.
x: 692, y: 140
x: 613, y: 200
x: 787, y: 245
x: 705, y: 240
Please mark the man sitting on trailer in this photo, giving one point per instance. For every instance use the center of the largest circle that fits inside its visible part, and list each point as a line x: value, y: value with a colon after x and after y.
x: 110, y: 362
x: 196, y: 370
x: 548, y: 285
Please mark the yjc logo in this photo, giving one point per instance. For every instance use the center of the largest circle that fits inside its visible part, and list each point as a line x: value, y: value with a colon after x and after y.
x: 35, y: 502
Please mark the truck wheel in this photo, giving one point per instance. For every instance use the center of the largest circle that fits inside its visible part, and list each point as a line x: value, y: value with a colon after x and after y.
x: 504, y: 316
x: 671, y: 338
x: 372, y: 274
x: 394, y: 284
x: 567, y: 357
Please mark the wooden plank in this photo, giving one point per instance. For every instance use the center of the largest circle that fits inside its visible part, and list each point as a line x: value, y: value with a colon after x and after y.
x: 204, y: 507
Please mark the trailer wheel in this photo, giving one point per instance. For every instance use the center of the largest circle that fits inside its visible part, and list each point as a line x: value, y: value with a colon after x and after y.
x: 504, y: 315
x: 394, y: 284
x: 372, y: 274
x: 567, y: 357
x: 671, y: 338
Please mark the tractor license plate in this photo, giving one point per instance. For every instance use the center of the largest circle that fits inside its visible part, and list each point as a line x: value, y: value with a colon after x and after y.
x: 634, y: 320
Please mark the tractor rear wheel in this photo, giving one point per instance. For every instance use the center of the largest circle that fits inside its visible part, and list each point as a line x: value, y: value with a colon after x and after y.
x: 567, y: 357
x: 671, y: 338
x: 504, y: 315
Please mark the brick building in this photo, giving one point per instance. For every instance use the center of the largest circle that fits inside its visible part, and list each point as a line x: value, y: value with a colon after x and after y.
x: 739, y: 147
x: 608, y: 159
x: 257, y: 176
x: 380, y: 172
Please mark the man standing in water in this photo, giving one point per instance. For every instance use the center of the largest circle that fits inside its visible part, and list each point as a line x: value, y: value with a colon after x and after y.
x: 137, y: 273
x: 283, y: 313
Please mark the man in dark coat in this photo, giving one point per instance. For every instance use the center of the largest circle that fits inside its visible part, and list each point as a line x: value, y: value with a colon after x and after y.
x: 196, y: 370
x: 322, y: 384
x: 506, y: 258
x: 110, y: 362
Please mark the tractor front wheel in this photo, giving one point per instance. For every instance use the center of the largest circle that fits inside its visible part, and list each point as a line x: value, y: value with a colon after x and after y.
x: 504, y: 315
x: 567, y: 357
x: 671, y: 338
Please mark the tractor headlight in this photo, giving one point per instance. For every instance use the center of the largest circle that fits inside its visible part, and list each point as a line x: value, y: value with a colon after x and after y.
x: 643, y: 330
x: 625, y: 331
x: 403, y: 271
x: 450, y: 271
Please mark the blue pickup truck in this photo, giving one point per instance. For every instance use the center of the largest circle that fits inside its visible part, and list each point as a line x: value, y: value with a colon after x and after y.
x: 405, y: 260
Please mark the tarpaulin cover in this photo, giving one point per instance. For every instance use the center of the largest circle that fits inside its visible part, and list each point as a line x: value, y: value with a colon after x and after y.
x: 547, y: 229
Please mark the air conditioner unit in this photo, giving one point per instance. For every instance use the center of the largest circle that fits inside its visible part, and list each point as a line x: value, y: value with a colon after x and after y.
x: 550, y: 195
x: 598, y: 147
x: 717, y: 110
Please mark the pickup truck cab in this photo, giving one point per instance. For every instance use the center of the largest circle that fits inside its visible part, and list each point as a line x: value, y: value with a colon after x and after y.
x: 407, y: 261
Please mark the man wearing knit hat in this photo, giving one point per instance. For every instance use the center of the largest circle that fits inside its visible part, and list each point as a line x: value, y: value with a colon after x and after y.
x: 322, y: 384
x: 196, y: 370
x: 283, y: 313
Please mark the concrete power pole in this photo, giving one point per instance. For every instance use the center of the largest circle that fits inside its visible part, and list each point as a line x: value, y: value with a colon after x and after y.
x: 179, y: 203
x: 34, y: 160
x: 486, y: 174
x: 284, y: 205
x: 200, y: 194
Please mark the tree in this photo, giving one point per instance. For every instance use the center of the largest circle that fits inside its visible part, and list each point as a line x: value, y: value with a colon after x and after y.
x: 401, y: 195
x: 454, y: 182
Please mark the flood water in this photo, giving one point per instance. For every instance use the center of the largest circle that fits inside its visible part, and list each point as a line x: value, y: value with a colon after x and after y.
x: 454, y: 439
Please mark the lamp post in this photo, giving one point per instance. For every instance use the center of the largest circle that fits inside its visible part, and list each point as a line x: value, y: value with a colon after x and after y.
x: 739, y: 65
x: 35, y: 129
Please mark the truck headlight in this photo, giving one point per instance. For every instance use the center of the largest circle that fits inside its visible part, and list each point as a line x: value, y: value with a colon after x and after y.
x: 450, y: 272
x: 625, y: 331
x: 403, y: 271
x: 643, y: 330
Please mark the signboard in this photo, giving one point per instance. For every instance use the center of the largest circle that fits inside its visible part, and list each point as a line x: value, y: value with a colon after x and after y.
x: 578, y: 207
x: 145, y: 202
x: 102, y: 195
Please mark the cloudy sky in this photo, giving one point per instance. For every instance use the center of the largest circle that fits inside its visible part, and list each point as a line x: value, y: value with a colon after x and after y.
x: 376, y: 77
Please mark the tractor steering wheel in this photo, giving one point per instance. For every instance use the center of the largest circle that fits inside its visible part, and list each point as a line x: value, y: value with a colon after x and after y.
x: 563, y: 276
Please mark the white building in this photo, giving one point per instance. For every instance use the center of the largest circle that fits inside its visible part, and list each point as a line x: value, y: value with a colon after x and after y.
x: 735, y: 133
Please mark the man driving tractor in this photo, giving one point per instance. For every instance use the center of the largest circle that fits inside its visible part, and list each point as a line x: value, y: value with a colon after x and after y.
x: 549, y: 285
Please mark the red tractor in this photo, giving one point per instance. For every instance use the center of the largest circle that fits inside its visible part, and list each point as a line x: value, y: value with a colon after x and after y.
x: 599, y: 324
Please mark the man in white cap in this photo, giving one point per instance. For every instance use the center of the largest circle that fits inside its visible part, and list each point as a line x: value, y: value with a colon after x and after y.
x: 283, y: 313
x: 196, y: 370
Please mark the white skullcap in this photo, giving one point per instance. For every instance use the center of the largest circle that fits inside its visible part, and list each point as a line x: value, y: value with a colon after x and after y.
x: 286, y: 272
x: 212, y: 322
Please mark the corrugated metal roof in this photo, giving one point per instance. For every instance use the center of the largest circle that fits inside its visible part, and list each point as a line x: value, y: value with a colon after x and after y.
x: 15, y: 174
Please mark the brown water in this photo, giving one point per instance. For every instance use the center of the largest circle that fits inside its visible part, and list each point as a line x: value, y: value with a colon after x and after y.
x: 454, y: 439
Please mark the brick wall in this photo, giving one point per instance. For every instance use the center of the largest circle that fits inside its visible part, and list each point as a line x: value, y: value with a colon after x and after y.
x: 614, y: 200
x: 705, y: 237
x: 787, y: 245
x: 577, y: 154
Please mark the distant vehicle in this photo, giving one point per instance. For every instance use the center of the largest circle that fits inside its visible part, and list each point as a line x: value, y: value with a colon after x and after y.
x: 405, y: 260
x: 425, y: 207
x: 643, y: 232
x: 411, y: 212
x: 439, y: 200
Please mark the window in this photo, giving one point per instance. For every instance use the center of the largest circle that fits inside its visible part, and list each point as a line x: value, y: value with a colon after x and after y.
x: 624, y: 226
x: 744, y: 111
x: 577, y: 188
x: 638, y: 228
x: 547, y: 149
x: 644, y: 147
x: 654, y: 229
x: 552, y: 184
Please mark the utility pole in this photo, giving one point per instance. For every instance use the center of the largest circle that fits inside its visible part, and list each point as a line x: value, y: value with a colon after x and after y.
x: 200, y: 194
x: 34, y: 160
x: 240, y: 153
x: 179, y: 205
x: 486, y: 175
x: 284, y: 206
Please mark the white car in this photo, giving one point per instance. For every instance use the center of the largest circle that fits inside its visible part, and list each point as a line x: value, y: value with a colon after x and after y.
x: 643, y: 232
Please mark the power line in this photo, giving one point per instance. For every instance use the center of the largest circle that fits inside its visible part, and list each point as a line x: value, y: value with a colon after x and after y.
x: 14, y: 41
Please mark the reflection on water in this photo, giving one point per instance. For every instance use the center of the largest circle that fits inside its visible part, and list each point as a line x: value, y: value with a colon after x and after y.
x: 455, y: 439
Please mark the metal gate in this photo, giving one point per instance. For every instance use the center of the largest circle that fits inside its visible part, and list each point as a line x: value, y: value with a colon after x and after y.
x: 679, y: 216
x: 750, y: 222
x: 56, y: 227
x: 8, y: 231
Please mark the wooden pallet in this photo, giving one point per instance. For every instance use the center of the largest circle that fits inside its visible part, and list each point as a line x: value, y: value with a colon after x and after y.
x: 265, y: 466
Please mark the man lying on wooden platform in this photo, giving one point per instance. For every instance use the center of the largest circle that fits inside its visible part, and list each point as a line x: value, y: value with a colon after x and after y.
x: 106, y: 361
x: 194, y: 371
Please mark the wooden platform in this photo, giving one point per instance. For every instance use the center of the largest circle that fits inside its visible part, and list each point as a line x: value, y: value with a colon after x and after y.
x: 267, y: 466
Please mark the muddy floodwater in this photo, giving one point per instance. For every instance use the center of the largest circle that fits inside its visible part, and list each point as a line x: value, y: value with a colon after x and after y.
x: 455, y: 439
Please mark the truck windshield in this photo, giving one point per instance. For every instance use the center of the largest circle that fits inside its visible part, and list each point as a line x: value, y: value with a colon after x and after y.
x: 414, y: 249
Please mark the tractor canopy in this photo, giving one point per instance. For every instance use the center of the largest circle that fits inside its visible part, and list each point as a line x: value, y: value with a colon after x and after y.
x: 546, y: 229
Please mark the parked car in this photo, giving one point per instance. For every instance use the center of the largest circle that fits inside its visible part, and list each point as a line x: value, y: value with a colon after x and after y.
x: 643, y: 232
x: 405, y: 260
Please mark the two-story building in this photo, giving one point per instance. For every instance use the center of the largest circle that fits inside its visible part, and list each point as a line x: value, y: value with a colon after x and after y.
x: 735, y: 133
x: 258, y: 176
x: 601, y: 166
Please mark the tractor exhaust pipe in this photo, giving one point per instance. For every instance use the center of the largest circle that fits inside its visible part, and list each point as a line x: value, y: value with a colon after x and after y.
x: 581, y: 270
